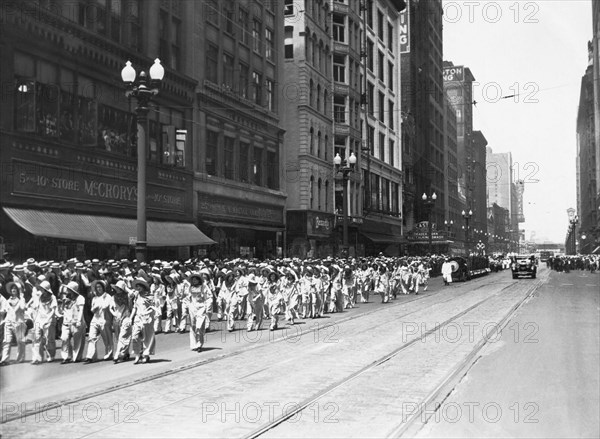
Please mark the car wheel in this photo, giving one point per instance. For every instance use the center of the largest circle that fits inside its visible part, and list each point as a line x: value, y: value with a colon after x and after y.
x: 515, y: 276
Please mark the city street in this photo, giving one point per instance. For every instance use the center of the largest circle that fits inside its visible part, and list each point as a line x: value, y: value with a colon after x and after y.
x: 375, y: 371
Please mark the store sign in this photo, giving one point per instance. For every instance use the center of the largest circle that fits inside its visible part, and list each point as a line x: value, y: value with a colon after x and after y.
x: 454, y: 73
x: 53, y: 182
x: 424, y: 236
x: 239, y: 210
x: 404, y: 30
x: 322, y: 224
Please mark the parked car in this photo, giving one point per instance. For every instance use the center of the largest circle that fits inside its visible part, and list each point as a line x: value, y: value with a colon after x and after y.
x: 523, y: 265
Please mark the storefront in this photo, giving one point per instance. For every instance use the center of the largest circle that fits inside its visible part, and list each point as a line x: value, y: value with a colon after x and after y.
x: 241, y: 228
x: 59, y: 203
x: 310, y: 234
x: 419, y: 242
x: 381, y: 237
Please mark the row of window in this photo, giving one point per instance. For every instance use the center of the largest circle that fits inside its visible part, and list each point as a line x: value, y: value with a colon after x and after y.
x: 236, y: 159
x: 381, y: 146
x: 318, y: 145
x: 321, y: 189
x: 382, y: 110
x: 48, y: 111
x: 240, y: 81
x: 382, y: 193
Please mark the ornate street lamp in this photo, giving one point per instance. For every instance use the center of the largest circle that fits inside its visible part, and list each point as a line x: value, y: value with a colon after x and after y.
x: 429, y: 202
x: 345, y: 171
x: 143, y: 89
x: 467, y: 217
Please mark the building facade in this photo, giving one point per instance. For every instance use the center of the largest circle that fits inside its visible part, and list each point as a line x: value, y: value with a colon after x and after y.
x: 69, y: 135
x: 477, y: 171
x: 330, y: 94
x: 238, y: 189
x: 453, y: 200
x: 587, y: 163
x: 423, y: 119
x: 596, y: 69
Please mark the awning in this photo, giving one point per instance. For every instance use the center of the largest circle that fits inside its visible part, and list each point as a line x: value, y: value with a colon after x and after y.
x: 378, y: 238
x: 105, y: 229
x: 244, y: 226
x: 432, y: 242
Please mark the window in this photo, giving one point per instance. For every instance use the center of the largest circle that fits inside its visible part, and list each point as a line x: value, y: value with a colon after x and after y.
x: 163, y: 33
x: 339, y: 109
x: 133, y: 21
x: 392, y: 155
x: 115, y: 20
x: 257, y: 166
x: 370, y: 13
x: 272, y: 170
x: 339, y: 29
x: 289, y: 42
x: 339, y: 68
x: 228, y: 163
x: 318, y: 97
x: 212, y: 147
x: 381, y: 107
x: 371, y: 137
x: 326, y: 196
x: 390, y: 75
x: 381, y: 66
x: 371, y: 97
x: 319, y: 194
x: 391, y: 114
x: 385, y: 194
x: 212, y: 61
x: 370, y: 48
x: 244, y: 161
x: 311, y: 92
x: 244, y: 19
x: 257, y: 88
x: 228, y: 71
x: 312, y: 191
x: 243, y: 85
x: 326, y: 103
x: 228, y: 17
x: 382, y: 146
x: 270, y: 95
x: 326, y: 146
x: 380, y: 25
x: 256, y: 32
x: 318, y: 151
x: 288, y: 8
x: 270, y: 45
x: 390, y: 43
x: 311, y: 139
x: 394, y: 198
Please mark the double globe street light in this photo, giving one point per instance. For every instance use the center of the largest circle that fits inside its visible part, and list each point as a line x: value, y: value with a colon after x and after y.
x: 143, y: 89
x: 467, y: 217
x: 429, y: 202
x: 345, y: 171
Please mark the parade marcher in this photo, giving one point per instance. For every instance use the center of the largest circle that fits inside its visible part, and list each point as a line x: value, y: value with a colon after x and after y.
x: 256, y: 301
x: 274, y: 298
x: 73, y: 324
x: 120, y: 308
x: 447, y: 272
x: 157, y: 290
x: 241, y: 289
x: 208, y: 283
x: 143, y: 313
x: 172, y: 302
x: 228, y: 299
x: 306, y: 288
x: 348, y: 287
x: 13, y: 312
x: 290, y: 295
x: 43, y: 308
x: 200, y: 301
x: 382, y: 286
x: 101, y: 323
x: 363, y: 282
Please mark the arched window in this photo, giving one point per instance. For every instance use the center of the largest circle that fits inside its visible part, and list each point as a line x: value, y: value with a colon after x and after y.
x: 327, y: 60
x: 311, y: 188
x: 318, y: 153
x: 326, y: 195
x: 314, y: 49
x: 307, y: 44
x: 326, y: 146
x: 311, y: 140
x: 318, y: 97
x: 319, y: 195
x: 325, y: 106
x: 320, y: 67
x: 311, y: 93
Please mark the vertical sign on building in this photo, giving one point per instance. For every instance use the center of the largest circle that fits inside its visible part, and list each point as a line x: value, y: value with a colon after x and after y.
x: 404, y: 35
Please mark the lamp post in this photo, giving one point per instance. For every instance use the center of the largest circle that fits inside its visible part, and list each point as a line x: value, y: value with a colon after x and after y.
x: 345, y: 171
x: 143, y: 89
x: 467, y: 217
x: 429, y: 202
x: 573, y: 221
x: 449, y: 225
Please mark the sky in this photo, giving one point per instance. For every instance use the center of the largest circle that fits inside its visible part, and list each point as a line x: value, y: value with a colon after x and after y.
x: 539, y: 50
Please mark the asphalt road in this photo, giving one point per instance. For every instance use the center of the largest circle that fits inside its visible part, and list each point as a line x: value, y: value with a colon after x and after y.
x: 541, y: 378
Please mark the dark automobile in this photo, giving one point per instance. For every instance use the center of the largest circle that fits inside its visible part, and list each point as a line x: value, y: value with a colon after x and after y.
x: 523, y: 265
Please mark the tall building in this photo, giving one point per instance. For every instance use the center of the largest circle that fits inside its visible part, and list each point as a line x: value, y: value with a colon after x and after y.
x: 596, y: 69
x: 476, y: 170
x: 68, y: 133
x: 453, y: 200
x: 423, y: 116
x: 342, y: 61
x: 237, y: 58
x: 587, y: 161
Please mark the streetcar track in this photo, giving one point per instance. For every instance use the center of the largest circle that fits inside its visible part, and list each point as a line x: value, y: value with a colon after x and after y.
x: 39, y: 408
x: 311, y: 400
